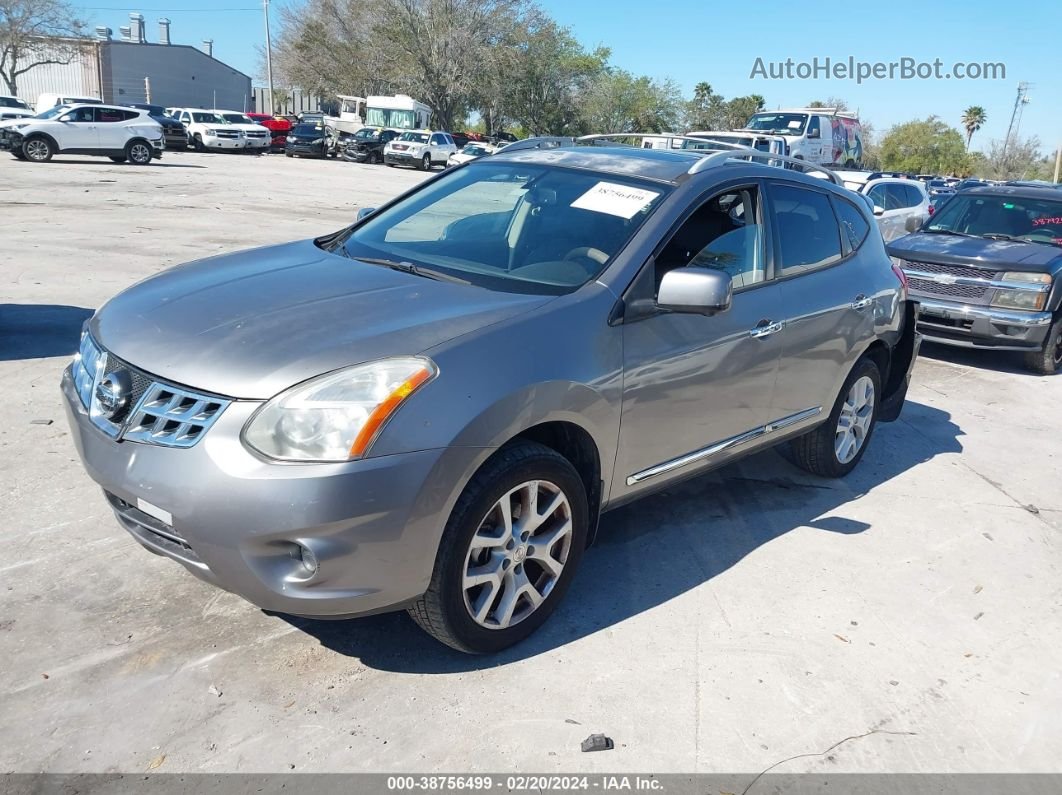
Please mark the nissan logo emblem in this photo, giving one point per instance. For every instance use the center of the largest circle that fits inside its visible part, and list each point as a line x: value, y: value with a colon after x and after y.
x: 112, y: 394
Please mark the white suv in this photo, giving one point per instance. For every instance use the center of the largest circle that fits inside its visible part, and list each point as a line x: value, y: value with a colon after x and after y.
x: 13, y: 108
x: 894, y: 198
x: 222, y: 129
x: 420, y: 148
x: 122, y: 134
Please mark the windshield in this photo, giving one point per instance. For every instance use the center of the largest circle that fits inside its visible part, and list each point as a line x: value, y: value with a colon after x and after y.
x: 511, y: 226
x: 207, y: 118
x: 306, y: 130
x: 475, y: 149
x: 779, y: 123
x: 381, y: 117
x: 367, y: 134
x: 420, y: 138
x: 237, y: 118
x: 11, y: 102
x: 1031, y: 220
x: 51, y: 112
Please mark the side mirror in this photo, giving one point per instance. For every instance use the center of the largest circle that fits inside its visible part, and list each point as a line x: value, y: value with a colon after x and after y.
x: 700, y: 291
x: 879, y: 210
x: 813, y: 134
x: 914, y: 222
x: 365, y: 211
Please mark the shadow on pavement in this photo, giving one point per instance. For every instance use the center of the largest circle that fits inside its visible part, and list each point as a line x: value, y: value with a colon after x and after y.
x: 37, y: 331
x: 658, y: 548
x: 980, y: 358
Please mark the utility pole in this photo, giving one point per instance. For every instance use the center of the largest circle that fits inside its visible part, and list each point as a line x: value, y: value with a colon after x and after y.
x: 269, y: 55
x: 1058, y: 161
x: 1022, y: 98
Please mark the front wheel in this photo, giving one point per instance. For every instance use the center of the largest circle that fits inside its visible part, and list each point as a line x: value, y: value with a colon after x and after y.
x: 425, y: 163
x: 38, y: 150
x: 138, y: 153
x: 834, y: 448
x: 18, y: 154
x: 1048, y: 360
x: 509, y: 551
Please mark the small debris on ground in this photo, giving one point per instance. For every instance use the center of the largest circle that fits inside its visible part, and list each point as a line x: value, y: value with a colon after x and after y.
x: 1032, y: 508
x: 977, y: 589
x: 214, y: 691
x: 573, y: 722
x: 41, y: 422
x: 597, y: 742
x: 157, y: 762
x: 978, y: 616
x: 841, y: 638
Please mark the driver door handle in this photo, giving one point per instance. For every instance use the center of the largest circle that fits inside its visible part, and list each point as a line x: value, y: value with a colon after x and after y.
x: 766, y: 328
x: 861, y: 302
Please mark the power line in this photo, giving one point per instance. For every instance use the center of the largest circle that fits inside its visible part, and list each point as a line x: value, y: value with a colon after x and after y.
x: 165, y: 10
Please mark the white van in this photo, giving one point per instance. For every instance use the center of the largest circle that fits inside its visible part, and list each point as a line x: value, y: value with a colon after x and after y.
x: 824, y: 136
x: 45, y: 101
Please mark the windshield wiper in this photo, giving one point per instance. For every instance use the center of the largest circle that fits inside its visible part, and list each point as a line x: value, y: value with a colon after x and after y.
x: 408, y: 267
x: 948, y: 232
x: 1002, y: 236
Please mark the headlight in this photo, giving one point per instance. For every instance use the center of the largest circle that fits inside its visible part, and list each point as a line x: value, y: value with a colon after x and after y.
x: 316, y: 141
x: 84, y: 369
x: 336, y: 417
x: 1028, y: 299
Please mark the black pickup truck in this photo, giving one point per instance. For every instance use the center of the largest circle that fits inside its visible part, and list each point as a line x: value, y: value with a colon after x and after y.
x: 367, y: 145
x: 986, y: 270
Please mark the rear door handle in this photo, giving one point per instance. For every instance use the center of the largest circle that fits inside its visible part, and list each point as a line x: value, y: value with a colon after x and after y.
x: 766, y: 329
x: 862, y: 302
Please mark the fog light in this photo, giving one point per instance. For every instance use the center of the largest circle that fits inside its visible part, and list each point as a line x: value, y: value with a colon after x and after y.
x: 308, y: 564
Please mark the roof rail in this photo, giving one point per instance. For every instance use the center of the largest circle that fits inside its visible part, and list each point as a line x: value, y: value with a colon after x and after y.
x: 848, y: 114
x: 703, y: 143
x: 753, y: 155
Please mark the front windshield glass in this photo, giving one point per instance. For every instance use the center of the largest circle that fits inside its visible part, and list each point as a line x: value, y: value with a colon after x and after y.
x: 474, y: 149
x: 237, y: 118
x: 383, y: 117
x: 1001, y: 217
x: 207, y: 118
x: 511, y: 226
x: 366, y: 134
x: 51, y: 112
x: 420, y: 138
x: 11, y: 102
x: 779, y: 123
x: 306, y: 130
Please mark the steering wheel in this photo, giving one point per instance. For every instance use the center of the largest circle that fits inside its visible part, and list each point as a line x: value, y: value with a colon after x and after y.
x: 587, y: 252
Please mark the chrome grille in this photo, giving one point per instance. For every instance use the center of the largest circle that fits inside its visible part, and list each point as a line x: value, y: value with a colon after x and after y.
x: 950, y: 290
x: 172, y: 417
x: 963, y: 271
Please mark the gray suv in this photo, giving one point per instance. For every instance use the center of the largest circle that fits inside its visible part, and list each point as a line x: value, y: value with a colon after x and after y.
x: 431, y: 409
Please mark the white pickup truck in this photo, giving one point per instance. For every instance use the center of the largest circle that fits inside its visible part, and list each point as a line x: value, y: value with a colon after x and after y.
x: 222, y: 130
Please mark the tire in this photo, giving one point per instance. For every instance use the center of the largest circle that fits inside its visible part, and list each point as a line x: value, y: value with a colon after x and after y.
x: 821, y: 451
x: 425, y: 163
x: 509, y: 477
x: 376, y: 158
x: 138, y: 153
x: 390, y: 165
x: 18, y: 155
x: 1048, y: 360
x: 38, y: 149
x: 197, y: 144
x: 288, y: 154
x: 117, y: 159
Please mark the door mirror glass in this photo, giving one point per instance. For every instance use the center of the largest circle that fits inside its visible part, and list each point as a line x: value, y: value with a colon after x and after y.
x: 879, y: 210
x: 365, y: 211
x: 702, y: 291
x: 914, y: 222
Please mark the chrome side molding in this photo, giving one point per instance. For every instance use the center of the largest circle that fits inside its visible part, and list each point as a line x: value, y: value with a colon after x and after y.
x: 712, y: 450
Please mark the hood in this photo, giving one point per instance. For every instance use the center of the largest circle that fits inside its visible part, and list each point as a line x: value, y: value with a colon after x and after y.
x: 248, y: 127
x: 251, y: 324
x: 14, y: 122
x: 977, y: 251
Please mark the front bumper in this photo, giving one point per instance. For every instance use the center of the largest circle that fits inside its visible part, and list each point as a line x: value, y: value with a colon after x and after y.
x: 214, y: 142
x: 233, y: 519
x: 176, y: 139
x: 962, y: 325
x: 403, y: 158
x: 314, y: 150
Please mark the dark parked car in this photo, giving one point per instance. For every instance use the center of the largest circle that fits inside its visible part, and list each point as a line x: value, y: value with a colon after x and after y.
x: 307, y: 140
x: 987, y: 271
x: 430, y: 409
x: 367, y: 145
x: 173, y: 131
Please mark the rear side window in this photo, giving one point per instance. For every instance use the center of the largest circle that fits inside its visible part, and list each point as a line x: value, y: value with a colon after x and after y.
x: 114, y: 115
x: 807, y: 230
x: 914, y: 196
x: 853, y: 223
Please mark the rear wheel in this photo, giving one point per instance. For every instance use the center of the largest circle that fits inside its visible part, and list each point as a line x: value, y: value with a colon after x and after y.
x: 138, y: 153
x: 509, y: 551
x: 834, y: 448
x: 38, y: 150
x: 1048, y: 360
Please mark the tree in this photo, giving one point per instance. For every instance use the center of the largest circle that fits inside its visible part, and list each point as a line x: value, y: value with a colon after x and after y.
x: 830, y: 102
x: 34, y: 33
x: 1023, y: 160
x: 710, y: 111
x: 973, y: 119
x: 618, y: 101
x: 928, y: 146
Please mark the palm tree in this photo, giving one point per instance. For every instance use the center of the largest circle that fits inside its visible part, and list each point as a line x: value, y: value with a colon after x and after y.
x: 973, y: 119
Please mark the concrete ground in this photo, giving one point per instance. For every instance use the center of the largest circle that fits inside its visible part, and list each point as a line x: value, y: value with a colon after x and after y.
x: 749, y: 616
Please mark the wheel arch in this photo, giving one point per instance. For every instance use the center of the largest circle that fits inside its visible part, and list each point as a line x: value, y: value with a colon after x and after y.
x: 33, y: 135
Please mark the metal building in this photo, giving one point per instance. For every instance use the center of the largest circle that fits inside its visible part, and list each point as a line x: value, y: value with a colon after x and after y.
x: 132, y: 69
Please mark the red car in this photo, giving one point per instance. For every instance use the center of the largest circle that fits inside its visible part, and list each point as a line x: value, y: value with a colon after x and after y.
x: 279, y: 127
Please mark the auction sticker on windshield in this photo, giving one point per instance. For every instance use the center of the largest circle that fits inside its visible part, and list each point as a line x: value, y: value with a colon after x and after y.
x: 609, y: 197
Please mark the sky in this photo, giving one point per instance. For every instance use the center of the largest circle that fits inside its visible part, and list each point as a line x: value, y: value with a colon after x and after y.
x: 691, y: 42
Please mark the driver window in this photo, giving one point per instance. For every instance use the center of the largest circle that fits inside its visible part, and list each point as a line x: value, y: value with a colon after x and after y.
x: 813, y: 127
x: 79, y: 115
x: 725, y: 234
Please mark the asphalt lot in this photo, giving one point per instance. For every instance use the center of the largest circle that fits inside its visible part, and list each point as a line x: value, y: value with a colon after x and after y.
x: 746, y: 617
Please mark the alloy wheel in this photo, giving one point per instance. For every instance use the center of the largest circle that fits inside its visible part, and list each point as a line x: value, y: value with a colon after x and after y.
x: 853, y: 425
x: 37, y: 150
x: 139, y: 153
x: 517, y: 554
